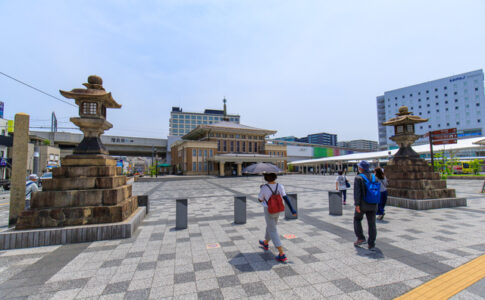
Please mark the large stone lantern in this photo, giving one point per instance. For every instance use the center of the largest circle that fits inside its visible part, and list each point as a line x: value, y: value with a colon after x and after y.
x: 93, y: 102
x: 404, y: 134
x: 412, y: 181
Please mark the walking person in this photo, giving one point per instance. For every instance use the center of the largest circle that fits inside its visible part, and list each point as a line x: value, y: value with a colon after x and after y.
x: 270, y: 197
x: 382, y: 203
x: 30, y: 187
x: 366, y: 199
x: 341, y: 185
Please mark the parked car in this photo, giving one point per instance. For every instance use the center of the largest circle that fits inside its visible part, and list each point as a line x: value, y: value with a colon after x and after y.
x: 5, y: 183
x: 45, y: 176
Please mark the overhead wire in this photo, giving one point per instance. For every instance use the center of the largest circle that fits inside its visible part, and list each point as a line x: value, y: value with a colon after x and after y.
x: 38, y: 90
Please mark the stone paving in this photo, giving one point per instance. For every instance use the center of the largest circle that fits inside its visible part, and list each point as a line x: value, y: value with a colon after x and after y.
x: 216, y: 259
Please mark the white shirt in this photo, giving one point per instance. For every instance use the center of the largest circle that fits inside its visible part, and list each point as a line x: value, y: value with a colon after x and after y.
x: 265, y: 193
x: 341, y: 182
x: 30, y: 189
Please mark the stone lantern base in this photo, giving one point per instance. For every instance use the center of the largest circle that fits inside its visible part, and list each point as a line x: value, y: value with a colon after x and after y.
x: 413, y: 184
x: 87, y: 189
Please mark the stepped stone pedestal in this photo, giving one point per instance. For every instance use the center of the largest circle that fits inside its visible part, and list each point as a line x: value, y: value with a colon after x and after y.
x: 87, y: 189
x: 413, y: 184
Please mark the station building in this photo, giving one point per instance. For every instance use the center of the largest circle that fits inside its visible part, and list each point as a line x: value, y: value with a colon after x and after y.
x: 224, y: 149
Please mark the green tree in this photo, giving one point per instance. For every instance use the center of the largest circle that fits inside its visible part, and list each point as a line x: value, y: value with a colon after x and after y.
x: 476, y: 165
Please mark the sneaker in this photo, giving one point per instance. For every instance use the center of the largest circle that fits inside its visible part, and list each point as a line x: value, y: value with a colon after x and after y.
x: 380, y: 217
x: 372, y: 248
x: 359, y: 242
x: 281, y: 258
x: 265, y: 246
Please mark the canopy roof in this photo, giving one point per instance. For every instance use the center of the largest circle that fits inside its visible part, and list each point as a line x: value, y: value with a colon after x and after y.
x: 225, y: 126
x: 421, y: 149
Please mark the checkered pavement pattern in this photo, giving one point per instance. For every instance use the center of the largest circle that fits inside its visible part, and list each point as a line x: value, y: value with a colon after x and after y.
x: 217, y: 259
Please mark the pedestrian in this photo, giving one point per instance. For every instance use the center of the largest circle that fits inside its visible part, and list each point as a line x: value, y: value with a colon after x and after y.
x: 30, y: 187
x: 366, y: 198
x: 382, y: 203
x: 271, y: 193
x: 341, y: 185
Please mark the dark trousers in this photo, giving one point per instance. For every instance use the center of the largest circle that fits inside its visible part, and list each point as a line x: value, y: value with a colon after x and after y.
x: 371, y: 221
x: 382, y: 203
x: 344, y: 195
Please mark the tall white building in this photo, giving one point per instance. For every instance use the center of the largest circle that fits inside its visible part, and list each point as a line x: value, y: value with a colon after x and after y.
x: 182, y: 122
x: 453, y: 102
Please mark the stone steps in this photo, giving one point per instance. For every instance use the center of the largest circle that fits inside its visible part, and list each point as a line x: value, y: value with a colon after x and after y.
x: 83, y: 183
x: 421, y: 194
x: 71, y: 216
x: 80, y: 198
x: 86, y: 171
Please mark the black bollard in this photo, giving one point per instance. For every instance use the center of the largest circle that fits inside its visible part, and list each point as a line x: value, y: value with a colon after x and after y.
x: 181, y: 214
x: 240, y: 209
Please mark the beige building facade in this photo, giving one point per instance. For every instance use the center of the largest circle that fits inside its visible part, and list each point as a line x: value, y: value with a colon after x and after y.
x: 224, y: 149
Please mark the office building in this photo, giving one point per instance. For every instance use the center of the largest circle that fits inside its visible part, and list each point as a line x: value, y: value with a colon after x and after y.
x: 453, y: 102
x: 182, y: 122
x: 225, y: 148
x: 322, y: 138
x: 366, y: 145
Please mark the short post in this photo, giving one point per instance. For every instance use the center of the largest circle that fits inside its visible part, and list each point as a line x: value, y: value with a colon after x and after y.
x: 181, y: 214
x: 143, y: 201
x: 240, y: 209
x: 294, y: 202
x: 335, y: 203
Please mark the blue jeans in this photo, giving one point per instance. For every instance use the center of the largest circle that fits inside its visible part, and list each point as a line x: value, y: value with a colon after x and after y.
x: 344, y: 195
x: 382, y: 203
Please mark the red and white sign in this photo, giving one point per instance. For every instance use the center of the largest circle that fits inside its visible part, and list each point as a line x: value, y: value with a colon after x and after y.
x: 444, y: 136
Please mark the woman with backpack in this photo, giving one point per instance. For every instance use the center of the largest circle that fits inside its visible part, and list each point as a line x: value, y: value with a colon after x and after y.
x: 341, y: 184
x: 270, y: 196
x: 382, y: 203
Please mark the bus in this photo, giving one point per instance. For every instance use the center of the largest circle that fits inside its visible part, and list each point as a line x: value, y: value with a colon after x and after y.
x: 462, y: 167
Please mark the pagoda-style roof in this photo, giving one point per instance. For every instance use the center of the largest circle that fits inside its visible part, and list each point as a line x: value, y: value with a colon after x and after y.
x: 94, y: 91
x: 225, y: 126
x: 404, y: 117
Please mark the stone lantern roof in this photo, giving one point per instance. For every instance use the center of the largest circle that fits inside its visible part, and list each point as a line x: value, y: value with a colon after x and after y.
x: 94, y: 92
x: 404, y: 117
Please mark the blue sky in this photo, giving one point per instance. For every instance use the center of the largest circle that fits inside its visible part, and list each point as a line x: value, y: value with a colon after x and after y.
x: 298, y: 67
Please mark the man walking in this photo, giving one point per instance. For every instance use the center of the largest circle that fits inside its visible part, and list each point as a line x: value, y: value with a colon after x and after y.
x: 364, y: 204
x: 30, y: 187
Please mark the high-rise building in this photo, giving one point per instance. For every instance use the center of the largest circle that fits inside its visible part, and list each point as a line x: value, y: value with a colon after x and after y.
x: 359, y: 145
x: 182, y: 122
x: 452, y: 102
x: 322, y: 138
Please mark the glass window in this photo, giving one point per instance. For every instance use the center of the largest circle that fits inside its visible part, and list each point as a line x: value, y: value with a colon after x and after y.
x: 225, y: 146
x: 187, y: 117
x: 200, y: 166
x: 194, y: 166
x: 250, y: 147
x: 237, y: 146
x: 243, y: 146
x: 205, y: 152
x: 232, y: 146
x: 210, y: 152
x: 199, y: 117
x: 194, y: 152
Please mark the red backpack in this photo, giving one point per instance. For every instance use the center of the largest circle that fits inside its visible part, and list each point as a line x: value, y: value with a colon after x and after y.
x: 275, y: 203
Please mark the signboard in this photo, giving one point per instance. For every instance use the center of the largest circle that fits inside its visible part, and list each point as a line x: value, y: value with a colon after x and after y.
x: 3, y: 162
x: 119, y: 163
x: 10, y: 126
x: 299, y: 151
x: 1, y: 109
x: 443, y: 136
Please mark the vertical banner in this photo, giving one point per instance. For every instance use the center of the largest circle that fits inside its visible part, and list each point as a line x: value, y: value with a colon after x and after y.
x: 10, y: 126
x: 1, y: 109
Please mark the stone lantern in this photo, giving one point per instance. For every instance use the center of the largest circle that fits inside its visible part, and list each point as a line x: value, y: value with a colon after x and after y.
x: 404, y: 134
x: 93, y: 102
x: 412, y: 181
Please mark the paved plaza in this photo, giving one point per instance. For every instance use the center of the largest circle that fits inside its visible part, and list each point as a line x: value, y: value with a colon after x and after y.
x: 217, y: 259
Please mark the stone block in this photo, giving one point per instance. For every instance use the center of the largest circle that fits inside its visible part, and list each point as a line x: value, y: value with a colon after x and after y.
x: 110, y: 182
x: 63, y: 184
x: 425, y: 204
x: 72, y: 198
x: 87, y: 171
x: 88, y: 160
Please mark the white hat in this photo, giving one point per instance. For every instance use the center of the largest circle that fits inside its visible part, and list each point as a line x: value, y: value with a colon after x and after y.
x: 33, y: 177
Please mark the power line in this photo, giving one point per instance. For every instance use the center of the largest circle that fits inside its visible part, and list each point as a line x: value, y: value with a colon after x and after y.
x: 26, y: 84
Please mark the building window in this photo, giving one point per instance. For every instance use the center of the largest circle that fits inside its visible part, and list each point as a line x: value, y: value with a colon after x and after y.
x: 218, y: 145
x: 419, y: 100
x: 445, y: 87
x: 427, y: 98
x: 446, y: 95
x: 455, y: 93
x: 457, y: 123
x: 237, y: 146
x: 439, y: 125
x: 89, y: 108
x: 410, y: 95
x: 210, y: 152
x: 427, y: 92
x: 232, y: 146
x: 205, y: 152
x: 478, y: 104
x: 225, y: 146
x: 403, y: 96
x: 427, y: 105
x: 194, y: 166
x: 200, y: 152
x: 476, y: 89
x: 194, y: 152
x: 255, y: 147
x: 437, y: 110
x: 437, y: 103
x: 446, y: 102
x: 200, y: 167
x: 419, y: 106
x: 435, y: 90
x: 436, y: 97
x: 250, y: 147
x: 478, y: 121
x: 456, y: 107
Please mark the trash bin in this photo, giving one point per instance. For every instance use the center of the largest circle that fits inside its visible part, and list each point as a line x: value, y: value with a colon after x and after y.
x: 335, y: 203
